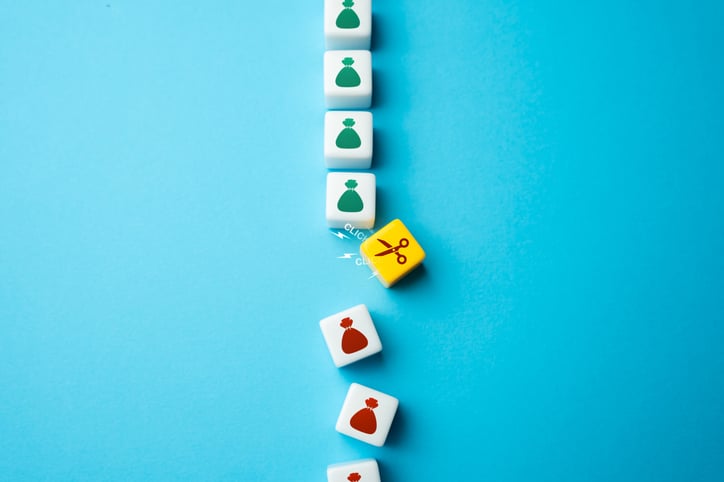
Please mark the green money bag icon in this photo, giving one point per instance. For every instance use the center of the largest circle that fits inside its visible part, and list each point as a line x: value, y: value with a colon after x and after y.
x: 348, y: 77
x: 347, y: 18
x: 349, y: 201
x: 348, y: 138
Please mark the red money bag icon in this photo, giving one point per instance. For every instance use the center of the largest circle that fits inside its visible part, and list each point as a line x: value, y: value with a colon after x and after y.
x: 354, y: 477
x: 365, y: 420
x: 352, y: 340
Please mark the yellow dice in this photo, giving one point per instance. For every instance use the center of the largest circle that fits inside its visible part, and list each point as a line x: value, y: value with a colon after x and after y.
x: 392, y: 252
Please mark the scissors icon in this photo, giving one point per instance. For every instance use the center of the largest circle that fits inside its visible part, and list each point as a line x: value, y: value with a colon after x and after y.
x: 401, y: 258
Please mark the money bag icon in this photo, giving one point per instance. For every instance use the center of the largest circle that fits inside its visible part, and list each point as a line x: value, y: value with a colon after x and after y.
x: 348, y: 138
x: 347, y: 18
x: 353, y: 340
x: 347, y: 76
x: 365, y: 420
x: 349, y: 201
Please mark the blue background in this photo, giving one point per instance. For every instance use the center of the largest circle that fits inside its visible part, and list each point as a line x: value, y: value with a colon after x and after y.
x: 164, y: 259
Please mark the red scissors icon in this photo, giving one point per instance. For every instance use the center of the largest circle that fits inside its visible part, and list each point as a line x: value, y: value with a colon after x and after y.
x: 401, y: 258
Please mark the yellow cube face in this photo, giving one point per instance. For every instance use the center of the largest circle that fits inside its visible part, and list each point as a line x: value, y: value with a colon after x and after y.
x: 392, y: 252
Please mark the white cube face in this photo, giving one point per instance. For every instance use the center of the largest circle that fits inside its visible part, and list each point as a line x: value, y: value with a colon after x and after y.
x: 367, y: 415
x: 351, y: 198
x: 348, y: 79
x: 347, y: 24
x: 365, y: 470
x: 350, y: 335
x: 348, y: 140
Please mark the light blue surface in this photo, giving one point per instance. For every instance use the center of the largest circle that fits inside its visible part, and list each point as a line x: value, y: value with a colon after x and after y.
x: 164, y: 260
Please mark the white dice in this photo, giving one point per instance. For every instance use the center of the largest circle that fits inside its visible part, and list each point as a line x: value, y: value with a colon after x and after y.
x: 348, y: 139
x: 367, y: 415
x: 365, y: 470
x: 348, y: 79
x: 351, y: 198
x: 350, y: 335
x: 347, y: 24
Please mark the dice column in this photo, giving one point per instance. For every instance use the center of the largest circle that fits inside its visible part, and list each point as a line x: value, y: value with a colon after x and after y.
x: 351, y: 200
x: 348, y: 126
x: 392, y: 252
